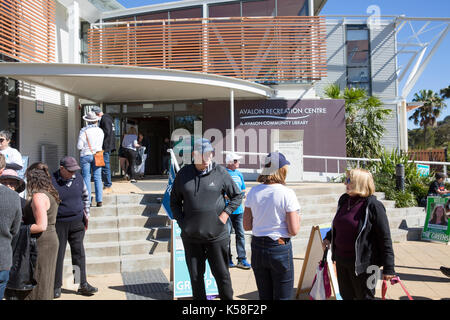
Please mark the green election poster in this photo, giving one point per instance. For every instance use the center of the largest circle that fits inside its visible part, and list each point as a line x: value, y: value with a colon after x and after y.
x: 437, y: 227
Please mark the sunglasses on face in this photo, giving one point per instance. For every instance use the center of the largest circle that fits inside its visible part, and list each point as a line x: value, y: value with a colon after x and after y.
x: 236, y: 161
x: 2, y: 139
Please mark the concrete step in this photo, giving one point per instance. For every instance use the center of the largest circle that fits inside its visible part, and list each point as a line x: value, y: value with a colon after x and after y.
x: 125, y: 209
x: 98, y: 249
x: 140, y: 233
x: 144, y: 261
x: 101, y: 235
x: 96, y: 265
x: 105, y: 265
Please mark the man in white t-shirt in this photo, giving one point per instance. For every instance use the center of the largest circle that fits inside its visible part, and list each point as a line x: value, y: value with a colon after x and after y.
x: 12, y: 156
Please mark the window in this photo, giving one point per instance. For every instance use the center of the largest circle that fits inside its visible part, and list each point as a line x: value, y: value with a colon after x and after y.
x: 358, y: 57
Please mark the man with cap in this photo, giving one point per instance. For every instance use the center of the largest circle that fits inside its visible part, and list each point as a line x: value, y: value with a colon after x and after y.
x: 71, y: 222
x: 109, y: 145
x: 198, y: 204
x: 235, y: 221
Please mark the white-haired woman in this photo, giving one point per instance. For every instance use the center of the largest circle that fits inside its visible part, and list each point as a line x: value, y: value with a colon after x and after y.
x: 360, y: 238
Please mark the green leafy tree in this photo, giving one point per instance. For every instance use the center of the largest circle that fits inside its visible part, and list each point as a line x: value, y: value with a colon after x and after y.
x: 364, y: 117
x: 427, y: 115
x: 445, y: 93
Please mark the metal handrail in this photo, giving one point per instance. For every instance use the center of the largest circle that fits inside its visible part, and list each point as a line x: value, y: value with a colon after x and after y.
x: 444, y: 164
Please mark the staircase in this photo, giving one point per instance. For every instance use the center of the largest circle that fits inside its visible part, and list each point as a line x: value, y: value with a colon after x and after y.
x: 319, y: 204
x: 131, y: 232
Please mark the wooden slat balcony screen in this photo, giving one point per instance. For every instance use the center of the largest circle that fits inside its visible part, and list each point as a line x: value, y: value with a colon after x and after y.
x: 27, y: 30
x: 262, y: 49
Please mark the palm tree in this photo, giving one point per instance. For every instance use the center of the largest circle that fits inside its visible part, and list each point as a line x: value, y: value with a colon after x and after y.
x: 445, y: 93
x: 427, y: 115
x: 364, y: 118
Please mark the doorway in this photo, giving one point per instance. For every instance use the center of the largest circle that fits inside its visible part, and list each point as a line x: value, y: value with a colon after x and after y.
x: 154, y: 129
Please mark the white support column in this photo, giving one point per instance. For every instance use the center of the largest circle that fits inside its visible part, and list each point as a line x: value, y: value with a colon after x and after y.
x: 311, y: 7
x: 403, y: 126
x: 73, y: 126
x: 73, y: 114
x: 74, y: 32
x: 232, y: 119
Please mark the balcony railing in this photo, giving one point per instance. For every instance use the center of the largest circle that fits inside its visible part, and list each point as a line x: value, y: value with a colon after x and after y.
x: 260, y: 49
x: 27, y: 30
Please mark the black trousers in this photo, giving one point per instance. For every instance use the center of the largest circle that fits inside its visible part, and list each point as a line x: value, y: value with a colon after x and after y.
x: 72, y: 232
x: 351, y: 286
x: 217, y: 255
x: 131, y: 157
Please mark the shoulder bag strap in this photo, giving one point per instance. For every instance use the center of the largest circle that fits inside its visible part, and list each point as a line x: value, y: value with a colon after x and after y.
x: 87, y: 139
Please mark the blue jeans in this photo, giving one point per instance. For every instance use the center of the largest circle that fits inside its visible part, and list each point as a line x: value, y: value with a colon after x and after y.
x: 4, y: 277
x: 106, y: 170
x: 273, y: 267
x: 236, y: 221
x: 87, y: 164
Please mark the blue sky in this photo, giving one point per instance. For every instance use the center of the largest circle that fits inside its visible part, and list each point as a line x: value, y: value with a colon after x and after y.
x: 437, y: 74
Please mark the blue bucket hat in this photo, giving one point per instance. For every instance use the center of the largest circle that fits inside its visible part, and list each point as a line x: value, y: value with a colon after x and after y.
x: 203, y: 145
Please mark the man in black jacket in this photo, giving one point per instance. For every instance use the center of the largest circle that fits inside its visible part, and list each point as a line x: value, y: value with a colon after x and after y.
x: 109, y: 145
x: 198, y: 204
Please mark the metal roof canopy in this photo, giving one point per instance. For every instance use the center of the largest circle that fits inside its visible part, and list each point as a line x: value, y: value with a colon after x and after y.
x: 107, y: 83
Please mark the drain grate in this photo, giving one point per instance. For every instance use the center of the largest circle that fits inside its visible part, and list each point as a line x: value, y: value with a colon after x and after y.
x: 146, y: 285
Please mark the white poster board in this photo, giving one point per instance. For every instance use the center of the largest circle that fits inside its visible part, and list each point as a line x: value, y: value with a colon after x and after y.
x: 313, y: 255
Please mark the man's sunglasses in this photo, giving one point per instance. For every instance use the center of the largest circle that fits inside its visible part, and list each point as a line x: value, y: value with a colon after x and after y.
x: 236, y: 161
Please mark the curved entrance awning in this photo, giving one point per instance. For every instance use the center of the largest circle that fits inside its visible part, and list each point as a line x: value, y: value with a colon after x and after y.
x: 107, y: 83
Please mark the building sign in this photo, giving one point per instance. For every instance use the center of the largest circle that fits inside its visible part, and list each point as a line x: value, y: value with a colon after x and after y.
x: 437, y: 227
x: 322, y: 122
x: 273, y: 116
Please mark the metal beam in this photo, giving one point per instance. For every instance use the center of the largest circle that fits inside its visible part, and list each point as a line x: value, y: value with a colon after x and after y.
x: 415, y: 76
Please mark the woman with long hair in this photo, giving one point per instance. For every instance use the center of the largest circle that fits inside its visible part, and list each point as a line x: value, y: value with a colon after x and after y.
x: 360, y: 238
x: 40, y: 212
x: 272, y: 213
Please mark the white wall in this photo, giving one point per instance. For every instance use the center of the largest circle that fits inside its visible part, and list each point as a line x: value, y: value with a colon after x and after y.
x: 49, y: 127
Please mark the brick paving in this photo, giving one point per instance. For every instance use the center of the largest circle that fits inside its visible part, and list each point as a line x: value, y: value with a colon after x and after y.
x: 417, y: 264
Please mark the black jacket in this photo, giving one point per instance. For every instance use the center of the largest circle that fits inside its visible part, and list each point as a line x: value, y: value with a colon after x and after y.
x: 373, y: 244
x: 197, y: 200
x: 21, y: 274
x: 106, y: 124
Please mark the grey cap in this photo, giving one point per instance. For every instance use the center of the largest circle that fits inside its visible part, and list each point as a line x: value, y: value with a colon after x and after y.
x: 203, y: 145
x: 69, y: 163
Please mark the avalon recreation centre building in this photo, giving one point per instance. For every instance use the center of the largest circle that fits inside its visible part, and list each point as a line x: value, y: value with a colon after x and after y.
x: 242, y: 68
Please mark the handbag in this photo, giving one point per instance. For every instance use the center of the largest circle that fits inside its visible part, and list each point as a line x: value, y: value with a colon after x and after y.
x: 394, y: 280
x: 321, y: 288
x: 99, y: 161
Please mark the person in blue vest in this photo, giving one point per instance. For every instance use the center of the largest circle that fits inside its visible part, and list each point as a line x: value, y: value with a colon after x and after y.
x: 71, y: 222
x: 235, y: 221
